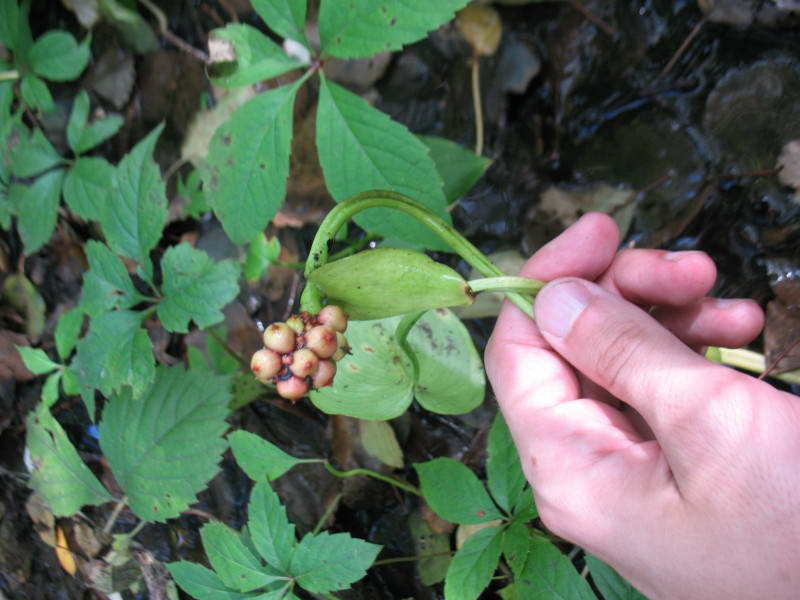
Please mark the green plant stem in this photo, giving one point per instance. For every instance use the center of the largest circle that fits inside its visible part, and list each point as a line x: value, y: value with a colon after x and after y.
x: 225, y: 346
x: 112, y: 518
x: 400, y: 559
x: 343, y: 253
x: 9, y: 75
x: 311, y: 299
x: 520, y: 285
x: 401, y: 337
x: 476, y: 100
x: 748, y: 360
x: 328, y: 512
x: 369, y: 473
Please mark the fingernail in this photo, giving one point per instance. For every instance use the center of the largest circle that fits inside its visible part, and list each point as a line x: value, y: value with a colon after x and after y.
x: 559, y: 305
x: 678, y: 256
x: 726, y: 303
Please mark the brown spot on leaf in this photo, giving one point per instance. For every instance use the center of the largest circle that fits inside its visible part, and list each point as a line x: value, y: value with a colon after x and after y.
x: 367, y: 348
x: 393, y: 22
x: 226, y: 140
x: 353, y: 367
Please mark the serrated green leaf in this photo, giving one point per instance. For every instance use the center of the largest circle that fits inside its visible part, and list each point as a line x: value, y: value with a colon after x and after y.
x: 270, y: 530
x: 431, y: 570
x: 67, y: 331
x: 232, y: 561
x: 50, y: 389
x: 516, y: 546
x: 202, y: 583
x: 261, y: 460
x: 36, y: 361
x: 36, y: 207
x: 260, y: 254
x: 33, y: 155
x: 287, y: 18
x: 526, y: 510
x: 257, y: 57
x: 473, y: 565
x: 374, y: 382
x: 89, y: 187
x: 364, y: 27
x: 549, y: 575
x: 325, y: 563
x: 504, y: 472
x: 164, y: 447
x: 106, y: 285
x: 455, y: 493
x: 360, y: 148
x: 59, y: 475
x: 58, y: 57
x: 133, y: 223
x: 248, y: 162
x: 82, y: 137
x: 195, y: 288
x: 458, y: 167
x: 610, y: 583
x: 116, y: 352
x: 35, y: 93
x: 78, y: 119
x: 244, y: 388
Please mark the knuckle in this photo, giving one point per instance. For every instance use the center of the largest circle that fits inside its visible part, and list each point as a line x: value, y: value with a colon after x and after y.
x: 613, y: 358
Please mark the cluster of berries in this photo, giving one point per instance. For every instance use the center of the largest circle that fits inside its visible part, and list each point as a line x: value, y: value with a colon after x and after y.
x: 301, y: 353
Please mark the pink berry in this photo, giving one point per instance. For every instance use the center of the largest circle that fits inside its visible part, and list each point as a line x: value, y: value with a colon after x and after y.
x: 322, y: 340
x: 293, y: 388
x: 265, y: 364
x: 334, y: 317
x: 324, y: 375
x: 279, y: 337
x: 304, y: 362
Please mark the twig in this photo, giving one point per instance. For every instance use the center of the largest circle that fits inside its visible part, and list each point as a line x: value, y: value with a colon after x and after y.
x: 774, y: 363
x: 326, y: 515
x: 121, y: 503
x: 225, y: 346
x: 581, y: 8
x: 757, y: 173
x: 171, y: 37
x: 392, y: 561
x: 683, y: 47
x: 476, y: 101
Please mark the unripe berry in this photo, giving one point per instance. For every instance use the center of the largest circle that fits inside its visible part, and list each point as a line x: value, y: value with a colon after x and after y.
x: 342, y: 347
x: 322, y: 340
x: 304, y: 362
x: 292, y: 389
x: 265, y: 364
x: 324, y: 374
x: 296, y: 324
x: 334, y: 317
x: 279, y: 337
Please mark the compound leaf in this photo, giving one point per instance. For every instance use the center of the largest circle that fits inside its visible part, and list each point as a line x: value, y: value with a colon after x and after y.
x: 270, y: 530
x: 82, y: 137
x: 287, y: 18
x: 36, y: 207
x: 610, y: 583
x: 261, y: 460
x: 549, y: 575
x: 504, y: 472
x: 261, y: 253
x: 195, y: 288
x: 36, y: 361
x: 454, y: 492
x: 473, y: 565
x: 58, y: 57
x: 106, y: 285
x: 324, y: 562
x: 59, y: 475
x: 366, y: 27
x: 67, y: 331
x: 516, y: 546
x: 164, y: 447
x: 248, y: 162
x: 203, y: 583
x: 458, y: 167
x: 35, y: 93
x: 360, y: 148
x: 133, y: 223
x: 33, y: 155
x: 89, y: 187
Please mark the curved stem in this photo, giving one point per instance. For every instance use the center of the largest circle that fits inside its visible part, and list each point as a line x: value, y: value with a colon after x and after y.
x: 741, y: 358
x: 520, y: 285
x: 311, y: 300
x: 401, y: 337
x: 369, y: 473
x: 476, y: 101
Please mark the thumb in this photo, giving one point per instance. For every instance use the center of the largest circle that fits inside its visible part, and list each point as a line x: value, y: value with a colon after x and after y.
x: 625, y: 351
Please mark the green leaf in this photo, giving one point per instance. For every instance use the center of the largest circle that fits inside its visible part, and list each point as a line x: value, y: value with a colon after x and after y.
x: 133, y: 223
x: 36, y: 361
x: 257, y: 57
x: 195, y: 288
x: 58, y: 57
x: 504, y: 472
x: 549, y: 575
x: 458, y: 167
x: 50, y: 389
x: 36, y: 207
x: 431, y: 570
x: 89, y: 187
x: 270, y: 530
x: 35, y: 93
x: 220, y: 361
x: 260, y: 255
x: 67, y: 331
x: 202, y: 583
x: 379, y: 440
x: 106, y: 285
x: 325, y: 563
x: 526, y: 510
x: 33, y: 155
x: 473, y: 565
x: 516, y: 546
x: 375, y: 382
x: 114, y: 353
x: 455, y: 493
x: 164, y: 448
x: 248, y: 162
x: 360, y: 148
x: 82, y: 138
x: 287, y: 18
x: 261, y: 460
x: 135, y: 30
x: 232, y: 560
x: 192, y: 190
x: 59, y: 475
x: 366, y: 27
x: 15, y: 33
x: 610, y: 583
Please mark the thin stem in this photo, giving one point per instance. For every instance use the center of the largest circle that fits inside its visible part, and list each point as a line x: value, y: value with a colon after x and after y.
x: 748, y: 360
x: 326, y: 515
x: 401, y: 337
x: 400, y: 559
x: 112, y: 518
x: 311, y: 300
x: 225, y: 346
x: 579, y: 6
x: 357, y: 246
x: 9, y: 75
x: 369, y: 473
x: 165, y: 31
x: 520, y: 285
x: 476, y: 101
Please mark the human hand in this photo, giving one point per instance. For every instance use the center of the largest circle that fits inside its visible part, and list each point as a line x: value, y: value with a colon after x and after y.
x: 689, y: 486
